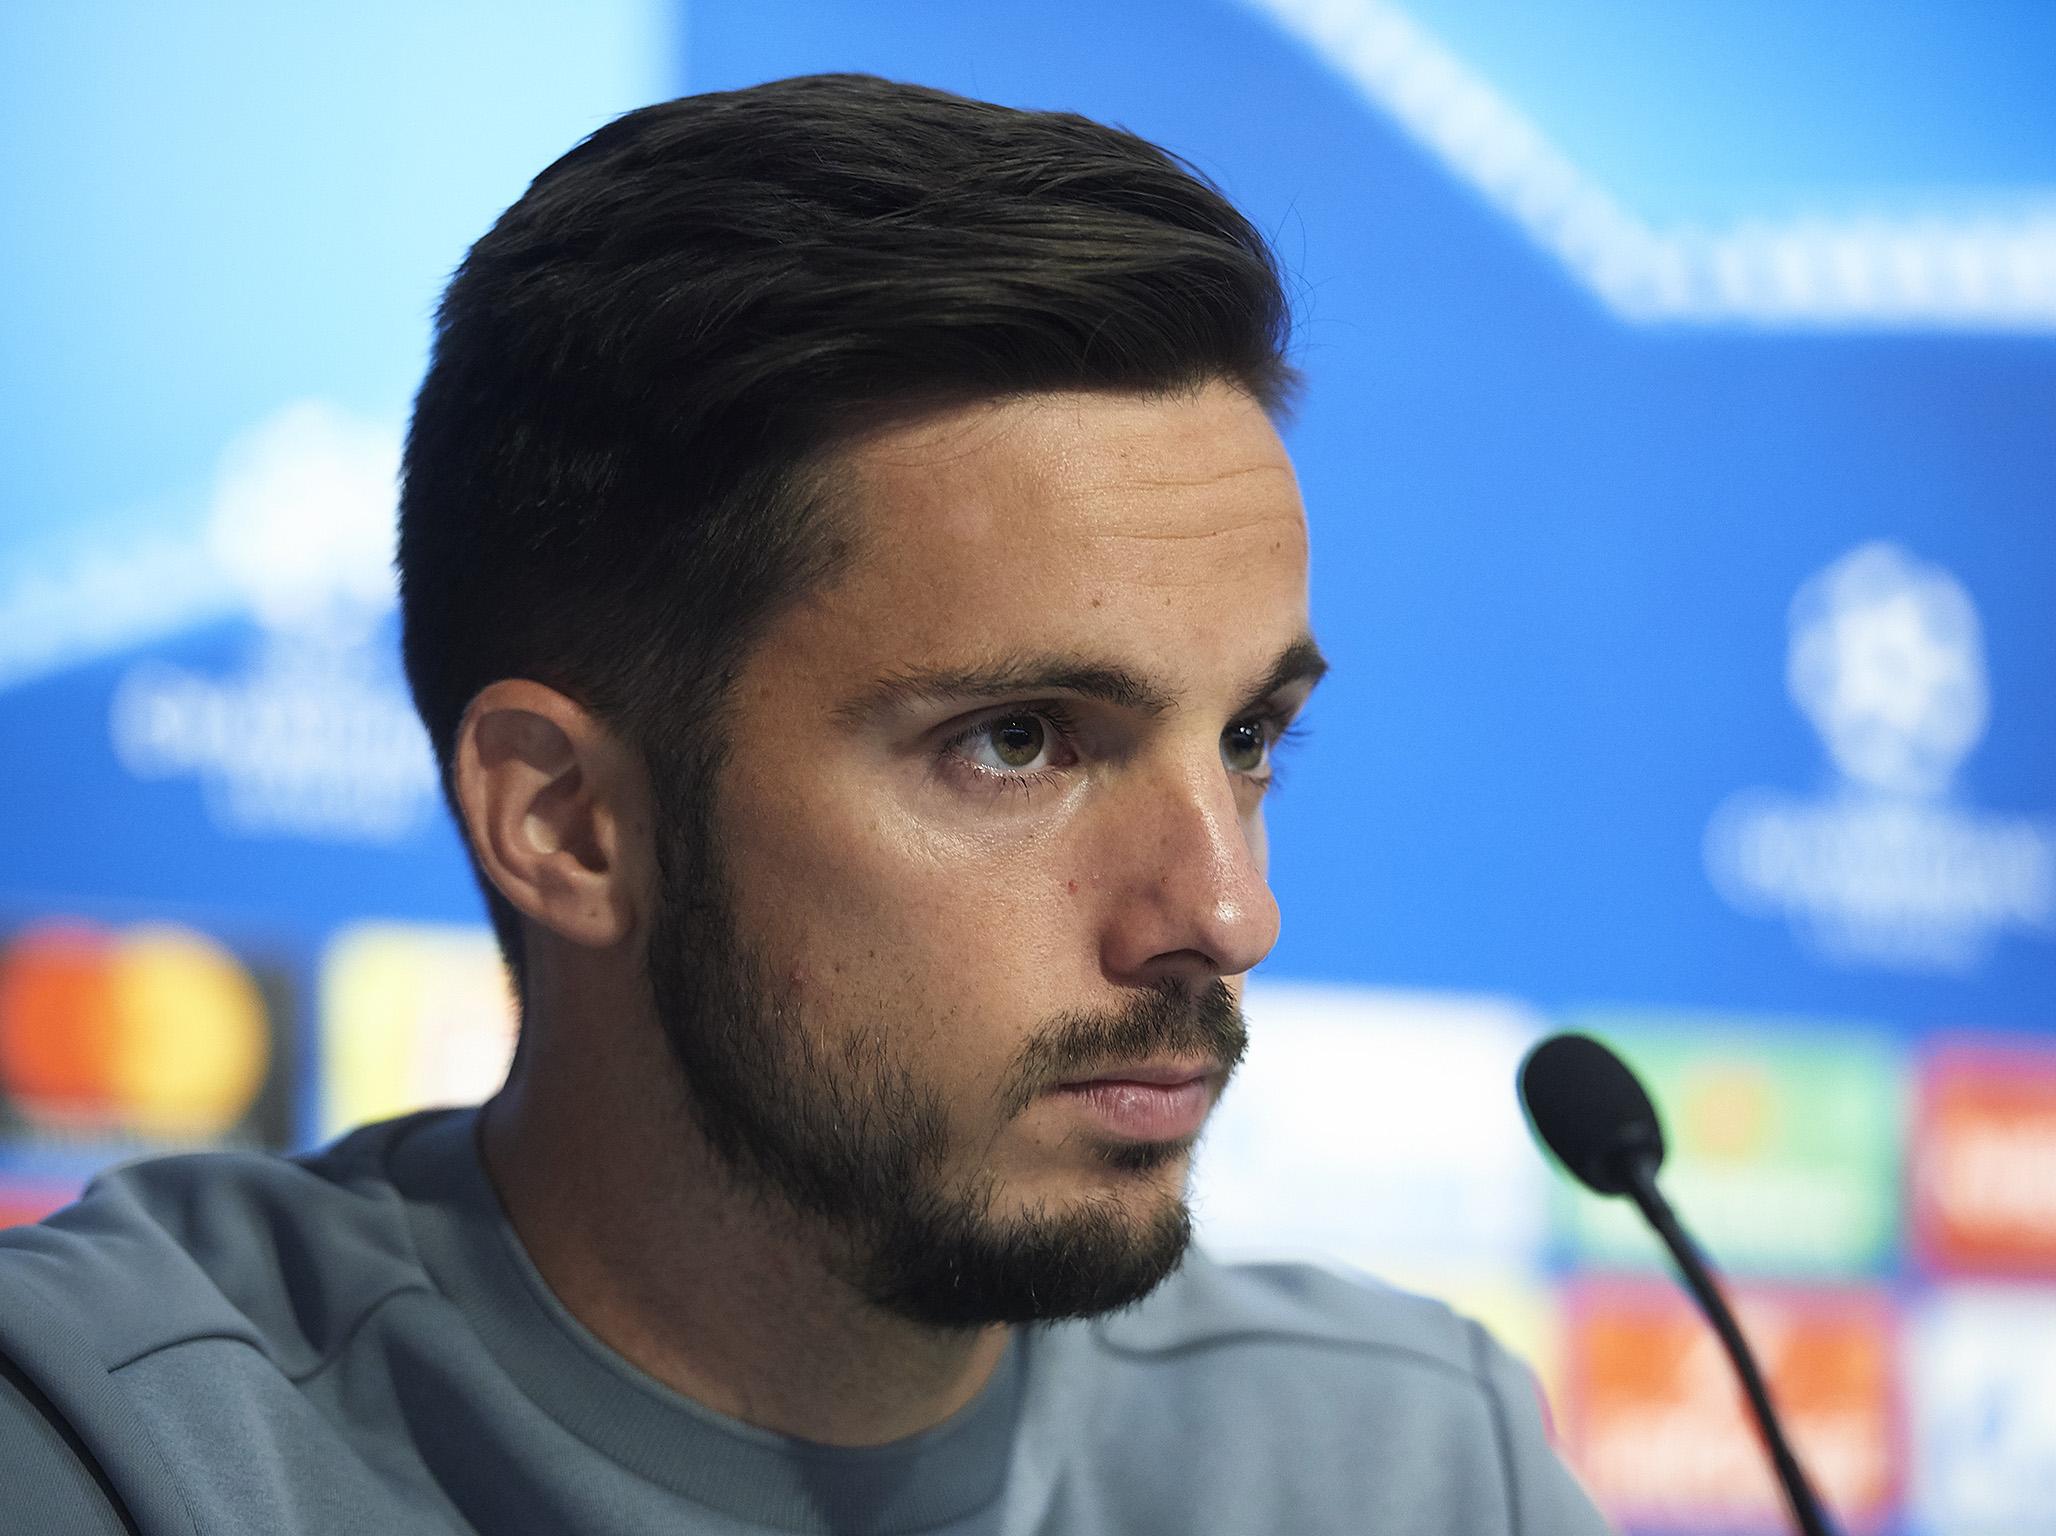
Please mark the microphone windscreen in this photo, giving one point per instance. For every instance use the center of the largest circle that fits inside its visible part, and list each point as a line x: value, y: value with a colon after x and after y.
x: 1590, y: 1110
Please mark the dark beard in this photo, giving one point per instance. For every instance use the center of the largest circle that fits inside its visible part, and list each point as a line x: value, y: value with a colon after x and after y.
x: 849, y: 1135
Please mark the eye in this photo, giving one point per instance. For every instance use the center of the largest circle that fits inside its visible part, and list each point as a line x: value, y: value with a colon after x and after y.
x: 1017, y: 741
x: 1019, y: 744
x: 1246, y: 746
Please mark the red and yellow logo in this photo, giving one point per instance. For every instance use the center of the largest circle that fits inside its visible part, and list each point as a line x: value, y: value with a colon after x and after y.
x: 155, y: 1032
x: 1984, y: 1161
x: 1657, y: 1425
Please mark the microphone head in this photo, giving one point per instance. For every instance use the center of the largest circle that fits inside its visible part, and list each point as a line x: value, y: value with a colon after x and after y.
x: 1590, y: 1111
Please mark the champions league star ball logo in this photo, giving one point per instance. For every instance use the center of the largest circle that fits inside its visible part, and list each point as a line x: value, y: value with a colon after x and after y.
x: 1887, y: 662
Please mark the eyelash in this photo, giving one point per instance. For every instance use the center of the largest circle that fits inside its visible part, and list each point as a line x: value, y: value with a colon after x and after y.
x: 1283, y: 733
x: 1055, y: 715
x: 1278, y: 731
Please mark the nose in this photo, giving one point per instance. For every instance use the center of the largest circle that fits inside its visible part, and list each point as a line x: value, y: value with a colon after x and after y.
x: 1191, y: 896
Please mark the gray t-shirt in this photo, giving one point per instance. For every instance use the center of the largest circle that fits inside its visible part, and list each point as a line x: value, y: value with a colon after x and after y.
x: 356, y: 1342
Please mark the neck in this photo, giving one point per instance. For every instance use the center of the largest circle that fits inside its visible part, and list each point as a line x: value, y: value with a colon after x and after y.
x: 717, y: 1292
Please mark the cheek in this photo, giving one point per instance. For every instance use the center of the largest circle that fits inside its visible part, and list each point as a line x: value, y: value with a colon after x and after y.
x: 863, y: 907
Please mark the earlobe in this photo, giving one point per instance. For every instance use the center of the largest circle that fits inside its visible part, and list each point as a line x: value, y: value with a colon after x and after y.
x: 542, y: 786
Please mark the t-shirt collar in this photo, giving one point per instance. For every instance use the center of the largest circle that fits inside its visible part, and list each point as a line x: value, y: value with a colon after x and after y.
x: 472, y: 1254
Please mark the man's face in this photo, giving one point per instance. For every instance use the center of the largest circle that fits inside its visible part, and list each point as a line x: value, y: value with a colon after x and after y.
x: 960, y: 981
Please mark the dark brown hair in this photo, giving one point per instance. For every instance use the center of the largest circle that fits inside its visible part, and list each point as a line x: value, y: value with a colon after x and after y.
x: 617, y: 468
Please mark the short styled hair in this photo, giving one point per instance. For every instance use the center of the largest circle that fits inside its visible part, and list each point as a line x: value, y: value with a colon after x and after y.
x: 621, y: 461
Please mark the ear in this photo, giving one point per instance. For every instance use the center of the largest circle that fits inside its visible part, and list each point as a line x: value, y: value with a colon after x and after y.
x: 556, y: 808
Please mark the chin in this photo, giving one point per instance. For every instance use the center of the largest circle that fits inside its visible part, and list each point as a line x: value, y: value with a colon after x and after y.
x: 963, y: 1266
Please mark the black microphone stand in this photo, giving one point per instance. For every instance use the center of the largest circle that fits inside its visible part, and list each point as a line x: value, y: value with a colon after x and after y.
x: 1640, y: 1181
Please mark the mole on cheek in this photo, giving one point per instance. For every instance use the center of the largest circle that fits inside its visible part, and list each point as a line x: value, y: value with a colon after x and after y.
x: 1071, y: 886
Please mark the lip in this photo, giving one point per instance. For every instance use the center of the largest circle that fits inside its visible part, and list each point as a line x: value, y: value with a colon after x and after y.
x: 1159, y: 1102
x: 1148, y: 1074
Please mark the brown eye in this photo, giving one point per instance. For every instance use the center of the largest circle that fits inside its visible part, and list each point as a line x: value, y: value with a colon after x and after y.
x: 1243, y: 747
x: 1018, y: 740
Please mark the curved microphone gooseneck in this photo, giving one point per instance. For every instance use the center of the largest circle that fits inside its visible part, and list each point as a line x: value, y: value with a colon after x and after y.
x: 1593, y: 1114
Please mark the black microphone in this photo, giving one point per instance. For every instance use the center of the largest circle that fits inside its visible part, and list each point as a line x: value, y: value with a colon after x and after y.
x: 1589, y: 1109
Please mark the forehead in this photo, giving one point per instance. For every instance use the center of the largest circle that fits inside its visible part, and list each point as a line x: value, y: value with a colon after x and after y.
x: 1048, y: 519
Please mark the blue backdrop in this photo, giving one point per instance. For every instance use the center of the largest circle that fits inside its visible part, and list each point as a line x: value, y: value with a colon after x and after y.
x: 1677, y: 443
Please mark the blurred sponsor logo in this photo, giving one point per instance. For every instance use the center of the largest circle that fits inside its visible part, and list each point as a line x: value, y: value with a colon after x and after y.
x: 411, y: 1016
x: 1376, y: 1128
x: 1783, y: 1143
x: 155, y: 1033
x: 1984, y: 1160
x: 1980, y: 1367
x: 1887, y: 662
x: 1658, y: 1428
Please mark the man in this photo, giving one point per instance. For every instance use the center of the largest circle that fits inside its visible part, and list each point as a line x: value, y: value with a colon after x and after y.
x: 855, y: 589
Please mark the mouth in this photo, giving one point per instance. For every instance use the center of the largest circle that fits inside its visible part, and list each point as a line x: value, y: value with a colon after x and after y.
x: 1146, y: 1101
x: 1149, y: 1074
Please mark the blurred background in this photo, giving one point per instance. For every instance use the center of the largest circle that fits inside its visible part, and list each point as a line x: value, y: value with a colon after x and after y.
x: 1681, y: 454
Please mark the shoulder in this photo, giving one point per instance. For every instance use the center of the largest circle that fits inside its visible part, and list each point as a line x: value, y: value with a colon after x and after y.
x: 1290, y: 1388
x: 1297, y: 1333
x: 279, y: 1253
x: 273, y: 1259
x: 1208, y: 1304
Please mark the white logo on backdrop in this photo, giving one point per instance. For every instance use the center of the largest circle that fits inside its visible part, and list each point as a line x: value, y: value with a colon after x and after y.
x: 1887, y: 662
x: 314, y: 735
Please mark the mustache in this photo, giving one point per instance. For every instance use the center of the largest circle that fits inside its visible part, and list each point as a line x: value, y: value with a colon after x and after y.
x: 1169, y: 1020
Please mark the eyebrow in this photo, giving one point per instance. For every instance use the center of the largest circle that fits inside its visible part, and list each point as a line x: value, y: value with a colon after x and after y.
x: 1299, y: 662
x: 1083, y: 677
